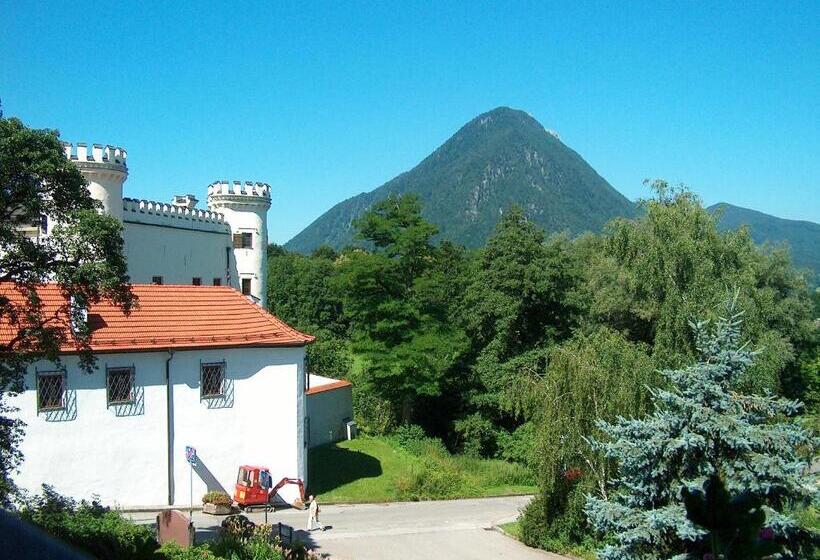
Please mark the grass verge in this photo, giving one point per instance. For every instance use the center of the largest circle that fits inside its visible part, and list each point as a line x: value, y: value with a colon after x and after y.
x: 380, y: 469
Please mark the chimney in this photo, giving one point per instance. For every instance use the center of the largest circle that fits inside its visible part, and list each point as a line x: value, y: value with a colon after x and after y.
x: 185, y: 200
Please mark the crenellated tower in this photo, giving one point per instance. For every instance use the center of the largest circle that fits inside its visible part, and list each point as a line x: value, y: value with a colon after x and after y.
x: 105, y: 169
x: 245, y: 208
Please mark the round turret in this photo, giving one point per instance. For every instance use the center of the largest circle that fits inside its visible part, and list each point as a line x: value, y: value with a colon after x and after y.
x: 105, y: 169
x: 244, y: 206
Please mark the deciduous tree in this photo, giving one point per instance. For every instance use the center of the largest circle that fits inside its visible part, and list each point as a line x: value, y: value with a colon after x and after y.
x: 50, y: 231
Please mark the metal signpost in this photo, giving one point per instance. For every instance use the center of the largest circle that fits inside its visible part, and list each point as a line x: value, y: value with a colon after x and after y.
x: 190, y: 456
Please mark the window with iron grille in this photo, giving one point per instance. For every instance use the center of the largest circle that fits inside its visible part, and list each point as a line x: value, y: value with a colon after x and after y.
x: 120, y: 385
x: 212, y: 380
x: 243, y: 240
x: 50, y: 391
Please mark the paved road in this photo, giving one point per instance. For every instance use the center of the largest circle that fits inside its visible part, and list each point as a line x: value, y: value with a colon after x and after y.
x: 404, y: 531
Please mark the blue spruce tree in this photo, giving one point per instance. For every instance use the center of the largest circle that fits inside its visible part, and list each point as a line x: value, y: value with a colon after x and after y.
x: 701, y: 429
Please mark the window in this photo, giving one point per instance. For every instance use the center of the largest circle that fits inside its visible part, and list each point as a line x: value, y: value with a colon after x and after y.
x: 246, y: 286
x: 243, y: 240
x: 212, y: 380
x: 156, y: 280
x: 120, y: 385
x: 197, y: 281
x: 50, y: 391
x: 217, y: 281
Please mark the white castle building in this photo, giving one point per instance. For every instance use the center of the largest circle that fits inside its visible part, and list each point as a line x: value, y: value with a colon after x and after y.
x: 176, y: 242
x: 194, y: 365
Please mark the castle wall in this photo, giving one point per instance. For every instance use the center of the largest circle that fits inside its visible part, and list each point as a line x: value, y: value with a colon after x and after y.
x: 177, y: 254
x: 176, y: 243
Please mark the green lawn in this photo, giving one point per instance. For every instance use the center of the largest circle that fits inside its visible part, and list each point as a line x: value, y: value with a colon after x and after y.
x: 513, y: 529
x: 377, y: 469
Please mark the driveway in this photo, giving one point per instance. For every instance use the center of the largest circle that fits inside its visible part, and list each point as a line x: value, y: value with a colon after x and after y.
x: 404, y: 531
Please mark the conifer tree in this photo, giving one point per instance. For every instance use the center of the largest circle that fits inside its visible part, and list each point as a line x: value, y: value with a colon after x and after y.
x: 701, y: 428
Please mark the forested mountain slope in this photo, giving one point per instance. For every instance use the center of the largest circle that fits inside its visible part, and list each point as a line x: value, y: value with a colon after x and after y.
x: 498, y: 159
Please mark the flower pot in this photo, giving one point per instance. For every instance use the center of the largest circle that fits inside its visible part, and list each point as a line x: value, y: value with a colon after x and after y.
x: 215, y: 509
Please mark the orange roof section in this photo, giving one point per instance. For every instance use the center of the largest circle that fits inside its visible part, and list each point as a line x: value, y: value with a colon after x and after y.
x: 169, y: 317
x: 328, y: 387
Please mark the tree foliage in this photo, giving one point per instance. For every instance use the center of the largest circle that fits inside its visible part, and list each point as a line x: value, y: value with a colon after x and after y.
x: 700, y: 428
x: 515, y: 349
x: 594, y: 375
x: 395, y: 299
x: 81, y: 250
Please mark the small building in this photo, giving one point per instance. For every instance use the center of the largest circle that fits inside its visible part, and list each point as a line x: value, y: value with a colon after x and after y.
x: 329, y: 409
x: 191, y: 366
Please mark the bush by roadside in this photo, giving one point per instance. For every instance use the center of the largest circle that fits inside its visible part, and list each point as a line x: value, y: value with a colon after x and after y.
x: 106, y: 534
x: 89, y: 526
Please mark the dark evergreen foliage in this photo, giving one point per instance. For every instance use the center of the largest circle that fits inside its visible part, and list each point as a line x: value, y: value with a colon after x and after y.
x: 701, y: 429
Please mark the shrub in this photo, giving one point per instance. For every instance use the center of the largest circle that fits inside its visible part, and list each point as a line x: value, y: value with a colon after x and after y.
x: 517, y: 446
x: 408, y: 433
x: 432, y: 479
x: 412, y: 439
x: 478, y: 436
x: 217, y: 498
x: 89, y: 526
x: 563, y: 533
x: 172, y: 551
x: 374, y: 415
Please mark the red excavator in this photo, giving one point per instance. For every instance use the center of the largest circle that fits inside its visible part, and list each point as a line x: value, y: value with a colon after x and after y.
x: 255, y: 488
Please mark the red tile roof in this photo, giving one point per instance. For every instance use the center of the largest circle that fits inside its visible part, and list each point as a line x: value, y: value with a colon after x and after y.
x: 328, y: 387
x: 168, y: 316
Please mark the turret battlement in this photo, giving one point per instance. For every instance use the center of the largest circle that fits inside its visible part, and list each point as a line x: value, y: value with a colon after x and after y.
x: 239, y: 188
x: 98, y: 153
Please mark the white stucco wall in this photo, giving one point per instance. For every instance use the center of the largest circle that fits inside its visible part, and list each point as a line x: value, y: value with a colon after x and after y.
x: 327, y: 411
x: 90, y: 449
x: 177, y: 254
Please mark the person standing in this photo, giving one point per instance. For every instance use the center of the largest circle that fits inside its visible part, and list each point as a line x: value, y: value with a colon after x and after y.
x: 313, y: 515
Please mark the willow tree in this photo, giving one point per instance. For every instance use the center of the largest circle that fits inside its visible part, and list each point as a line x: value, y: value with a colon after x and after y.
x: 594, y: 375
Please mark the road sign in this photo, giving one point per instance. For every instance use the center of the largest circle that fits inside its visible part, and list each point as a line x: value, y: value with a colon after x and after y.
x: 190, y: 454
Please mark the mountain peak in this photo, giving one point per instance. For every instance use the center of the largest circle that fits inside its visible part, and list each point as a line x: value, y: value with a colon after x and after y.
x: 499, y: 158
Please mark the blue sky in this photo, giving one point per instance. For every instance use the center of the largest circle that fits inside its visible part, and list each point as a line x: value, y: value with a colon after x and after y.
x: 327, y: 101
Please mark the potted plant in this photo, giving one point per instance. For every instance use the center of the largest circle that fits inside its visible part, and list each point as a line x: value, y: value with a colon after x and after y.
x: 217, y: 503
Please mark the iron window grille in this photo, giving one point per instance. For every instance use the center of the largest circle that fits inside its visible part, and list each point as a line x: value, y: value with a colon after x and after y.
x: 120, y: 385
x: 51, y: 391
x: 212, y: 380
x: 243, y: 240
